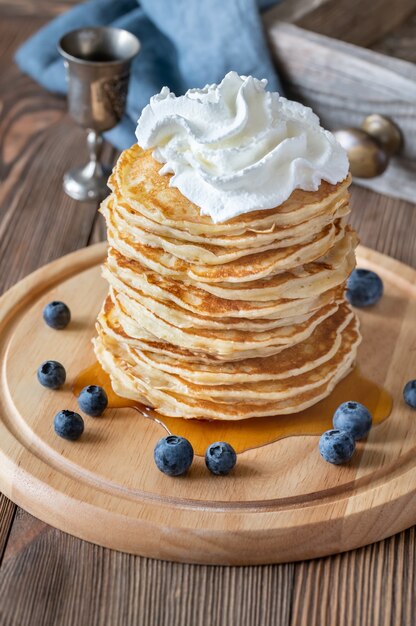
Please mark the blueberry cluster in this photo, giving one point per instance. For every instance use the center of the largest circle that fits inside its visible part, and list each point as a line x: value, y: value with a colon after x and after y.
x: 174, y: 455
x: 69, y: 424
x: 52, y: 375
x: 351, y: 421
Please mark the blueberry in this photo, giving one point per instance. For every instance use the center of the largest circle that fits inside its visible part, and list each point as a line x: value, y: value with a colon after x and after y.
x: 51, y: 374
x: 336, y: 446
x: 220, y: 458
x: 409, y: 393
x: 353, y: 417
x: 364, y: 288
x: 68, y: 425
x: 173, y: 455
x: 93, y: 400
x: 57, y: 315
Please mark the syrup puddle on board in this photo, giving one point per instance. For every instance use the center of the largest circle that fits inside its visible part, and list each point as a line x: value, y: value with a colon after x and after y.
x: 257, y: 431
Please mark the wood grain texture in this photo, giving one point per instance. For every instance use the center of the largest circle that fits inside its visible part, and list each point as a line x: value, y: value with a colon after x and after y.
x: 67, y: 582
x: 39, y: 143
x: 371, y: 586
x: 55, y: 576
x: 44, y: 9
x: 7, y: 511
x: 400, y: 42
x: 360, y: 23
x: 37, y: 221
x: 99, y: 587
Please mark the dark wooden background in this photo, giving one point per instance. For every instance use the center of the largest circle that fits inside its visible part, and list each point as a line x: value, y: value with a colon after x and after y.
x: 48, y: 578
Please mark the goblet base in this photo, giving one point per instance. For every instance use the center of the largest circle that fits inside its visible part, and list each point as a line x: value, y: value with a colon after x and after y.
x: 87, y: 183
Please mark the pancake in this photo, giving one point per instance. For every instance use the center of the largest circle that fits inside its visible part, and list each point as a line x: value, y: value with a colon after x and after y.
x: 228, y: 247
x: 209, y: 254
x: 321, y: 345
x: 304, y: 390
x: 249, y: 238
x: 166, y: 264
x: 261, y: 392
x: 247, y: 267
x: 225, y: 320
x: 197, y: 300
x: 136, y: 178
x: 169, y: 311
x: 304, y: 281
x: 223, y: 344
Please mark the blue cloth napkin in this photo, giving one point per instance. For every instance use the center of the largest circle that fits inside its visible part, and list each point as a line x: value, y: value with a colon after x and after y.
x: 184, y: 43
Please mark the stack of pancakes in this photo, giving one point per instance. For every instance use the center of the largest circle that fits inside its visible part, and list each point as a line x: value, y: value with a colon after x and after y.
x: 224, y: 321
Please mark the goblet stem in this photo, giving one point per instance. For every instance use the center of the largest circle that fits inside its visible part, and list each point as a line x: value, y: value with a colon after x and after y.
x: 89, y: 182
x: 94, y: 145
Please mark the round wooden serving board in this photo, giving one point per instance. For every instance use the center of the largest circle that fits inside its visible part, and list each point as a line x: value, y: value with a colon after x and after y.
x: 282, y: 502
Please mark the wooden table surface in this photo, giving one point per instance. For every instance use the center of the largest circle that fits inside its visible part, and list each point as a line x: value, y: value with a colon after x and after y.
x: 50, y: 578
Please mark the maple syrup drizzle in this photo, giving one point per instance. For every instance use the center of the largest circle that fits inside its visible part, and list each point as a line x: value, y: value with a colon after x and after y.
x: 258, y: 431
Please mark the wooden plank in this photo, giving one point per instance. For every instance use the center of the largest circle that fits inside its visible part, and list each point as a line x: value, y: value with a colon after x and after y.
x: 374, y: 585
x: 360, y: 23
x: 25, y: 530
x: 56, y: 576
x: 7, y: 511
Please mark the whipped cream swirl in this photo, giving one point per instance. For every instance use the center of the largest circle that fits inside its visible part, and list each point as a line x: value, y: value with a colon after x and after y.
x: 235, y: 147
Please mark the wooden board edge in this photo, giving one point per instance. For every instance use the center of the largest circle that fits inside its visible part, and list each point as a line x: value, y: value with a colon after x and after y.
x: 46, y: 276
x: 338, y: 538
x: 187, y: 544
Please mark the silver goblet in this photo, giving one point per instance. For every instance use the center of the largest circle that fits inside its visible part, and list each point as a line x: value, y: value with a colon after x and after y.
x: 97, y: 61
